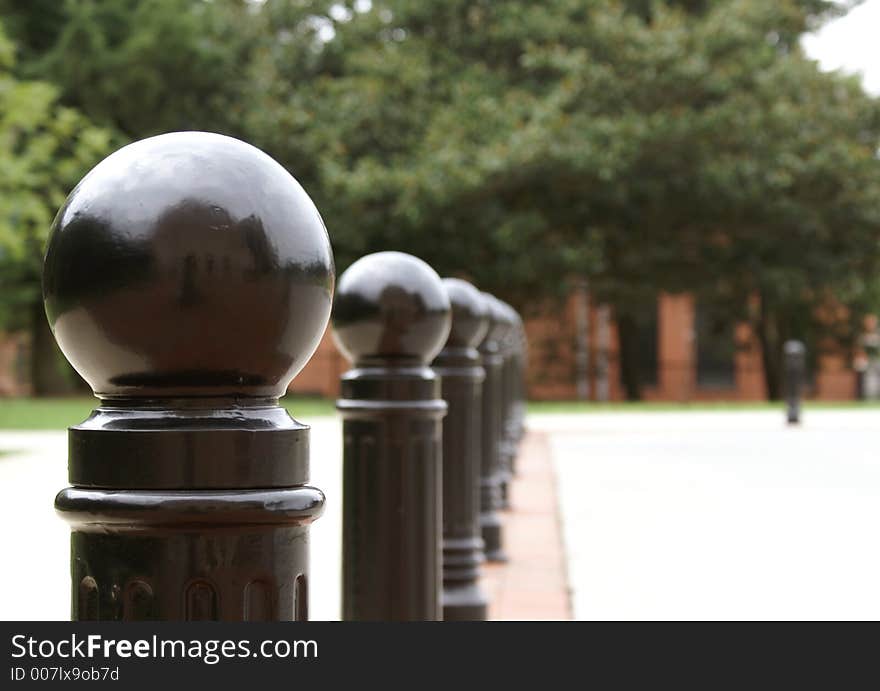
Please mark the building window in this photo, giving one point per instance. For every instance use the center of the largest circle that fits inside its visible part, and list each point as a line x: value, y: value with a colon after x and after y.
x: 637, y: 329
x: 716, y: 350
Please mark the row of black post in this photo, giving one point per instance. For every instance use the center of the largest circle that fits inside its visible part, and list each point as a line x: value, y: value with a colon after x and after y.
x: 188, y: 278
x: 432, y: 417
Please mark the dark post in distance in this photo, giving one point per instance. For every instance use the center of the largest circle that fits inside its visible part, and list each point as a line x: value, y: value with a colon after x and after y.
x: 458, y: 366
x: 510, y: 433
x: 188, y: 278
x: 490, y: 423
x: 795, y: 371
x: 521, y: 365
x: 391, y: 317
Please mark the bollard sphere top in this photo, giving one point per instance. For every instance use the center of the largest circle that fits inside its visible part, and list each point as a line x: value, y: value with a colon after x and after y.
x: 188, y: 264
x: 391, y: 306
x: 470, y: 314
x: 513, y: 323
x: 497, y: 326
x: 794, y: 347
x: 511, y: 318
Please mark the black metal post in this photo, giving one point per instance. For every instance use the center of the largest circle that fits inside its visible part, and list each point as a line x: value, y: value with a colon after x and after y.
x: 508, y: 440
x: 391, y: 318
x: 458, y: 365
x: 513, y: 427
x: 188, y: 278
x: 521, y: 366
x: 490, y: 461
x: 795, y: 371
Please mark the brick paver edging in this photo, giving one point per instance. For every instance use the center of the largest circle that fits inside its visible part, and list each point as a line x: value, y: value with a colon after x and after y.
x: 533, y: 584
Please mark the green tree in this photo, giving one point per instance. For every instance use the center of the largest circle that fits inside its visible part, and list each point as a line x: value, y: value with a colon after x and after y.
x: 140, y: 67
x: 649, y: 146
x: 134, y: 68
x: 645, y: 145
x: 44, y: 150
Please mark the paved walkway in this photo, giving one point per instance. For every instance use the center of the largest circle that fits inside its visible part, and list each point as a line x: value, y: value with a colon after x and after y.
x: 720, y: 515
x: 34, y: 542
x: 532, y: 584
x: 663, y: 516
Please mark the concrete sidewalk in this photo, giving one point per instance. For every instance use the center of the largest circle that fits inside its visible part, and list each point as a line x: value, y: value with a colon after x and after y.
x: 720, y: 515
x: 34, y: 542
x: 715, y: 515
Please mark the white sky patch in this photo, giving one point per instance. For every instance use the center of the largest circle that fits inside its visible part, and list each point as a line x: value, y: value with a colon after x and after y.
x: 851, y: 44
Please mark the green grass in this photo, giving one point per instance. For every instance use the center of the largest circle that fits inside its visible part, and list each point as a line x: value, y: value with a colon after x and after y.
x: 44, y: 413
x: 60, y: 413
x: 304, y: 407
x: 539, y: 407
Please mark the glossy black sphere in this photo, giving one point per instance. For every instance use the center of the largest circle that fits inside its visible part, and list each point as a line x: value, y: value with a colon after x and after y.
x: 517, y: 319
x: 391, y: 306
x: 188, y: 264
x: 793, y: 347
x: 511, y: 321
x: 498, y: 319
x: 470, y: 314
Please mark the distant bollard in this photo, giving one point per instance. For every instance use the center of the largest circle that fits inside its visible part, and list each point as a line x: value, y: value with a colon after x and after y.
x: 513, y: 386
x: 490, y: 460
x: 795, y: 371
x: 522, y: 355
x: 508, y: 437
x: 458, y: 366
x: 188, y: 278
x: 391, y: 318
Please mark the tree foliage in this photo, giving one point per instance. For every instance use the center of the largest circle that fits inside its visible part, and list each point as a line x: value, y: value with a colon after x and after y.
x: 140, y: 67
x: 646, y: 145
x: 44, y: 149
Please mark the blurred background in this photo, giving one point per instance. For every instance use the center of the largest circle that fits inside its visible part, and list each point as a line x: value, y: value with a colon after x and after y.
x: 667, y: 189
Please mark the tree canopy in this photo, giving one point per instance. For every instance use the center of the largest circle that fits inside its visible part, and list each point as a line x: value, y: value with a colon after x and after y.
x: 44, y: 150
x: 645, y: 145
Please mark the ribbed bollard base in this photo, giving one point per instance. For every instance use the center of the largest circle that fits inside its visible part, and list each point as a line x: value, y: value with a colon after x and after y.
x: 463, y: 599
x: 465, y: 603
x: 491, y: 528
x: 504, y: 492
x: 189, y: 555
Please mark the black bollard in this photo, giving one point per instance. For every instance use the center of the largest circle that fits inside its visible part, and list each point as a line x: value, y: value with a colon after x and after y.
x: 490, y: 461
x: 391, y: 318
x: 795, y: 371
x: 514, y: 428
x: 508, y: 438
x: 458, y: 365
x: 513, y: 374
x: 188, y: 278
x: 521, y: 364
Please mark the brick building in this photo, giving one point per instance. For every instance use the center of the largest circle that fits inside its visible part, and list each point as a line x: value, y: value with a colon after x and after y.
x: 682, y: 358
x: 574, y: 354
x: 14, y: 364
